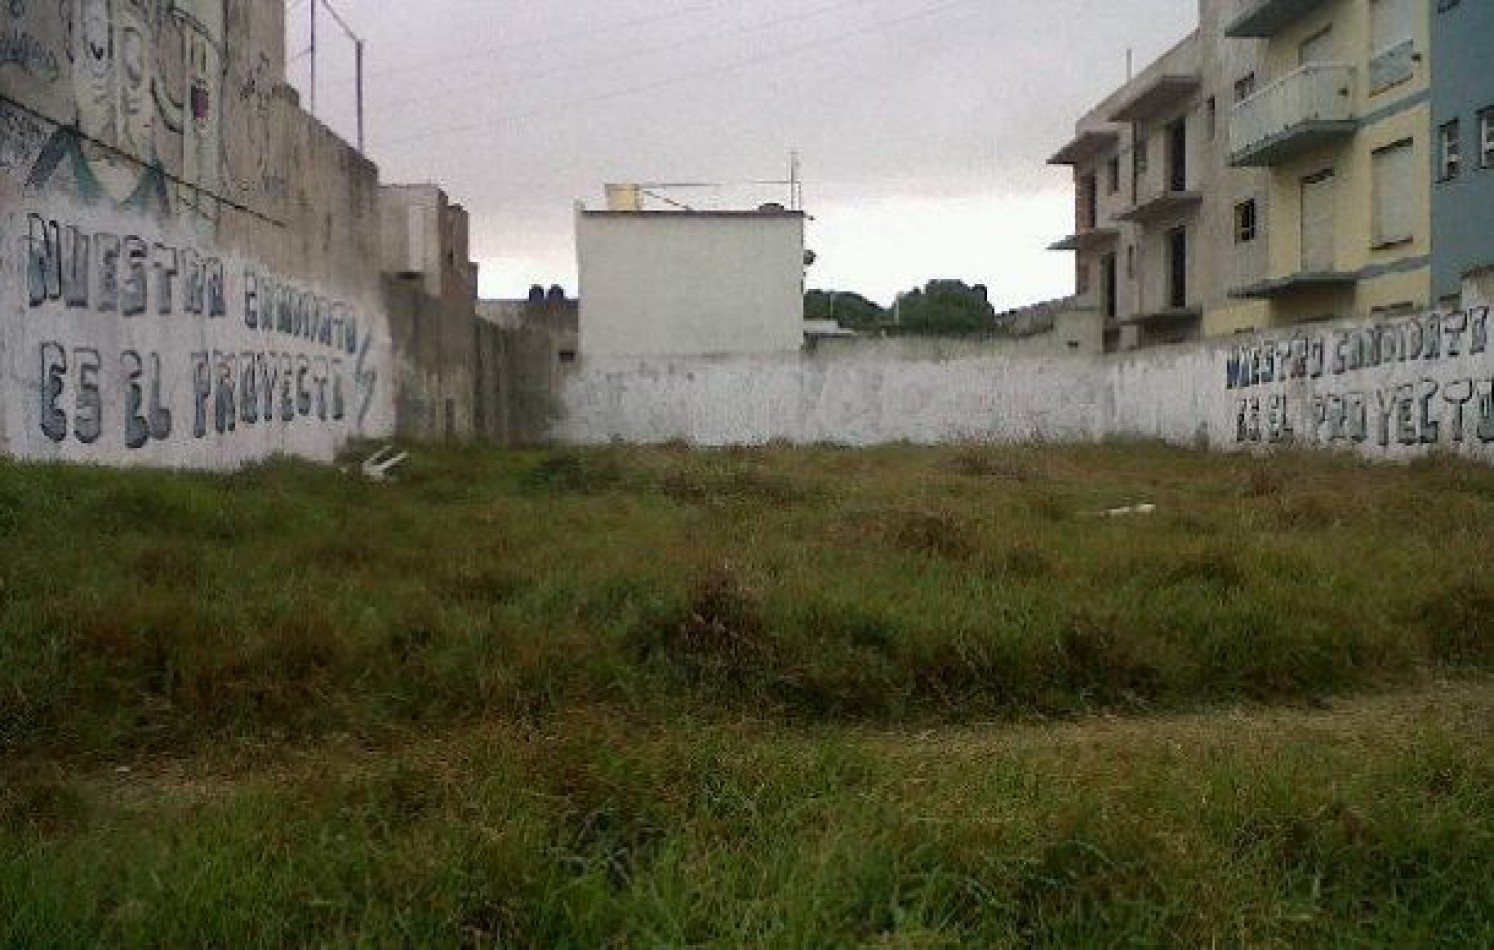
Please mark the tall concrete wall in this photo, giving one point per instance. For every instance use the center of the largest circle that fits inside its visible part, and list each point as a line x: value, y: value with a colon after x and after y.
x: 1388, y: 390
x: 537, y: 345
x: 189, y: 263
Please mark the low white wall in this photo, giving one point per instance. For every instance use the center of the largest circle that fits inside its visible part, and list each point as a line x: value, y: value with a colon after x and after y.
x: 1386, y: 390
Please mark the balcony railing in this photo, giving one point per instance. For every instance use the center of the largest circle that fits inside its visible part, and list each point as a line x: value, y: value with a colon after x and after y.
x: 1299, y: 111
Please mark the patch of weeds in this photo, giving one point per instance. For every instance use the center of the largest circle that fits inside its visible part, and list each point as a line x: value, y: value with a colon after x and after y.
x: 1459, y: 620
x: 1214, y: 568
x: 1083, y: 874
x: 932, y: 534
x: 728, y: 476
x: 991, y: 464
x: 721, y: 634
x: 577, y: 471
x: 1307, y: 512
x: 44, y: 807
x: 1048, y: 505
x: 482, y: 584
x: 1263, y: 481
x: 1028, y: 563
x: 1098, y: 658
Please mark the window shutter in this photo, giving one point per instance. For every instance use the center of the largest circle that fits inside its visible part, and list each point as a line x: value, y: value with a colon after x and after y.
x: 1392, y: 22
x: 1395, y: 203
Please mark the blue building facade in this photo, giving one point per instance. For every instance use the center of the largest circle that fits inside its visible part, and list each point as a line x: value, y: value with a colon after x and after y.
x: 1463, y: 142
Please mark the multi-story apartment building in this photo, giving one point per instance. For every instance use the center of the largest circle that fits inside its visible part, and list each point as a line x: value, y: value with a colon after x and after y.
x: 1463, y: 148
x: 1155, y: 211
x: 1277, y: 167
x: 1340, y: 120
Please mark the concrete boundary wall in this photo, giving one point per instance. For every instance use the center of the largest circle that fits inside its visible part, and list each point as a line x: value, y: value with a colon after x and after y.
x: 189, y: 262
x: 1391, y: 389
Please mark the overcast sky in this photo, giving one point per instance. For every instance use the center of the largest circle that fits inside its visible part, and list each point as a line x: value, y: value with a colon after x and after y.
x: 923, y: 125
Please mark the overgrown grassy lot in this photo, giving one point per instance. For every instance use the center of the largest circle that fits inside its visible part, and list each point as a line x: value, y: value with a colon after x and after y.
x: 644, y: 697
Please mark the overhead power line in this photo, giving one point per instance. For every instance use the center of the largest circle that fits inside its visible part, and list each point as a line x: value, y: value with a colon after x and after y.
x: 444, y: 63
x: 782, y: 53
x: 637, y: 53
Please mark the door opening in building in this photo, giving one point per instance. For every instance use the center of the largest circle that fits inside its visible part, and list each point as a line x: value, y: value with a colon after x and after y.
x: 1177, y: 257
x: 1108, y: 286
x: 1177, y: 155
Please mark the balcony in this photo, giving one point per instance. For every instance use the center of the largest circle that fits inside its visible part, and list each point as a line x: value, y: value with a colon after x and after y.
x: 1085, y: 238
x: 1086, y: 147
x: 1160, y: 94
x: 1269, y: 17
x: 1278, y: 288
x: 1166, y: 205
x: 1308, y: 108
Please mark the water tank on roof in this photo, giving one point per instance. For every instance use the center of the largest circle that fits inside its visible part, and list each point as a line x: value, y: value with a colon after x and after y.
x: 624, y: 197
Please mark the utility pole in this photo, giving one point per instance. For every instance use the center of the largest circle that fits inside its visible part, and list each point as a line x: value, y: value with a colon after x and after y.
x: 358, y: 50
x: 314, y: 5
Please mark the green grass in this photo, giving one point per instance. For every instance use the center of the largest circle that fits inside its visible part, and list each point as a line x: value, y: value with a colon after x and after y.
x: 1372, y: 825
x: 781, y: 696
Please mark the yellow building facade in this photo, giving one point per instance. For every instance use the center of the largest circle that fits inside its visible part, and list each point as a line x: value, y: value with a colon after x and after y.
x: 1342, y: 122
x: 1305, y: 127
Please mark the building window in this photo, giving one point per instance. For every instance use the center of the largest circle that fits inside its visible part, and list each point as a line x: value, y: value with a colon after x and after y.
x: 1392, y: 43
x: 1395, y: 203
x: 1211, y: 109
x: 1113, y: 175
x: 1130, y: 262
x: 1486, y: 138
x: 1449, y: 151
x: 1244, y: 87
x: 1140, y: 157
x: 1392, y: 23
x: 1245, y: 222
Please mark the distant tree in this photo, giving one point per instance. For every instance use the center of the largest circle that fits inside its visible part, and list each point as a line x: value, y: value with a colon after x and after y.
x: 846, y: 308
x: 945, y: 307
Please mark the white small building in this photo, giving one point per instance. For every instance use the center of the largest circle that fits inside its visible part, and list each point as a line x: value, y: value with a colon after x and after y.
x: 690, y: 283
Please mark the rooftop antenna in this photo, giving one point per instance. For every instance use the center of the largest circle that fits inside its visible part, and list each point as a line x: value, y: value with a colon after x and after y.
x: 1130, y: 64
x: 358, y: 47
x: 796, y: 184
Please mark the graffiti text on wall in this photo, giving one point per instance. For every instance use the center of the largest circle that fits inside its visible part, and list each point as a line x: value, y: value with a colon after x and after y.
x: 274, y: 380
x: 1421, y: 413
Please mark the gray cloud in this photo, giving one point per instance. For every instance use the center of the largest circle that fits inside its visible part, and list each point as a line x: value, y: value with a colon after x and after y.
x: 519, y: 109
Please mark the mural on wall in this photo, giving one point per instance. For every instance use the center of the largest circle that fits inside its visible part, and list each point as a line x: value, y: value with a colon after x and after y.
x: 1423, y: 381
x: 127, y: 332
x: 304, y: 358
x: 147, y: 80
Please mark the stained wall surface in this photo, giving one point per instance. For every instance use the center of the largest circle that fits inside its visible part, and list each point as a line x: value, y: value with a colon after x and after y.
x: 1386, y: 390
x: 189, y: 263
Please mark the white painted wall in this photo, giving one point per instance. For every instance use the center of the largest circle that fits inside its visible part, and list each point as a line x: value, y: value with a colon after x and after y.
x: 198, y: 378
x: 180, y: 285
x: 1431, y: 389
x: 662, y: 284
